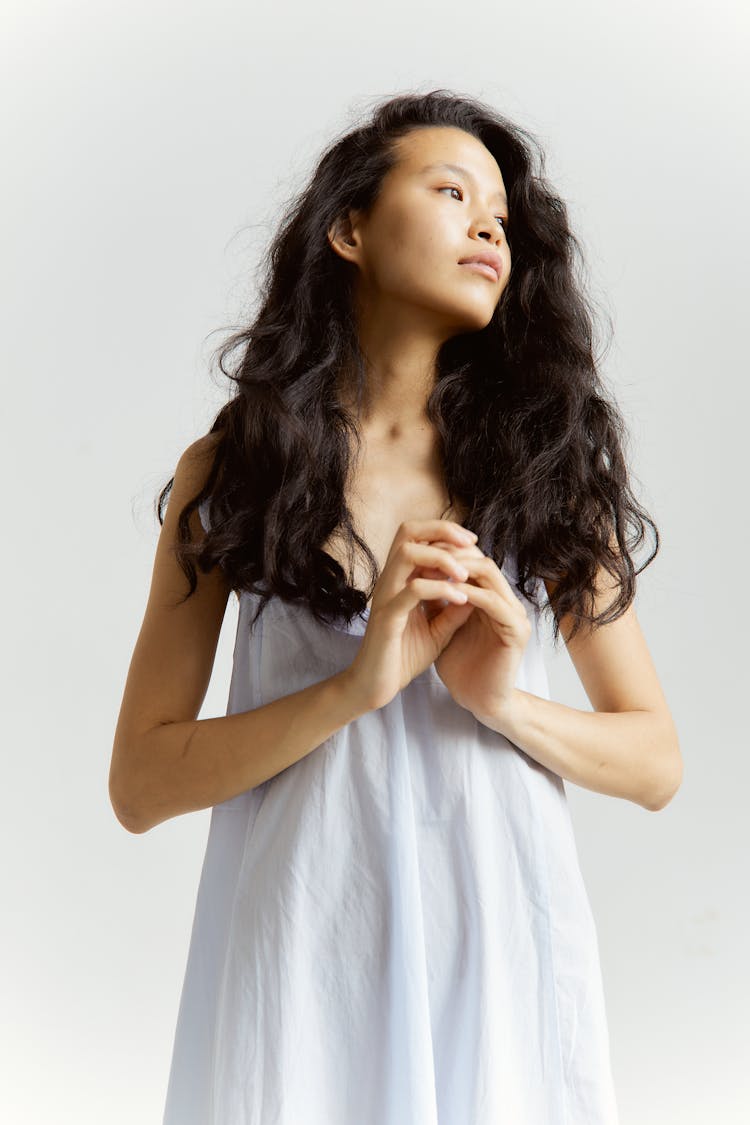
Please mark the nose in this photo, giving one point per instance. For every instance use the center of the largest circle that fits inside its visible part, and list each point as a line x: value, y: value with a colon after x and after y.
x: 489, y: 229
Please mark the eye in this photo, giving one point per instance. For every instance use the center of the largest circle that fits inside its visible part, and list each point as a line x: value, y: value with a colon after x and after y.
x: 452, y: 187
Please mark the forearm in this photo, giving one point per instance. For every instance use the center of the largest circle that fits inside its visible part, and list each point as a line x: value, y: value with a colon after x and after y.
x: 630, y: 754
x: 181, y: 767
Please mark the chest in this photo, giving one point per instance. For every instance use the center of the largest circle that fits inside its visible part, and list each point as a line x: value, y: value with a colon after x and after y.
x: 383, y: 493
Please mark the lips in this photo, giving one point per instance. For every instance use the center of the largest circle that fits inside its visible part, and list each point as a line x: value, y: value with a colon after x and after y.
x: 486, y: 258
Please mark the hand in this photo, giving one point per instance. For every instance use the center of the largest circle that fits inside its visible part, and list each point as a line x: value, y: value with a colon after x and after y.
x: 401, y: 640
x: 480, y: 664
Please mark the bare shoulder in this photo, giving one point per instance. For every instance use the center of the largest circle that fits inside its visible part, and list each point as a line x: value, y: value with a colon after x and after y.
x: 173, y: 656
x: 204, y: 446
x: 197, y: 459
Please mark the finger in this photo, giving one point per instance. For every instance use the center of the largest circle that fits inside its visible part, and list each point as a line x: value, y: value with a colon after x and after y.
x: 424, y: 590
x: 459, y: 553
x: 429, y: 530
x: 448, y: 621
x: 423, y: 555
x: 410, y: 556
x: 502, y: 617
x: 472, y: 551
x: 488, y: 574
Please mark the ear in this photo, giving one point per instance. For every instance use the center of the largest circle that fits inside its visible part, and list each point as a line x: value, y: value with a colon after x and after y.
x: 343, y: 236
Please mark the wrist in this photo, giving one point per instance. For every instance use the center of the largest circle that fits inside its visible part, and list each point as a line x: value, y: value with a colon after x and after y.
x: 506, y: 714
x: 354, y: 698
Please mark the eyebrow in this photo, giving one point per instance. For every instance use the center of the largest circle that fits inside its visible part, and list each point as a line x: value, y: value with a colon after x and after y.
x: 460, y: 171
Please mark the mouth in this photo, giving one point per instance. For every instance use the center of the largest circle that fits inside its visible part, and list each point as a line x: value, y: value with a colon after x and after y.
x: 484, y: 268
x: 488, y: 262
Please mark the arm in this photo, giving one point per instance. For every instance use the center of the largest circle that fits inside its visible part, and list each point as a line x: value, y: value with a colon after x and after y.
x: 165, y: 761
x: 628, y: 746
x: 632, y: 754
x: 179, y: 767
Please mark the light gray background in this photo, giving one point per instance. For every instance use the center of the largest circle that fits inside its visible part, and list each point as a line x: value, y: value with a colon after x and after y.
x: 148, y: 152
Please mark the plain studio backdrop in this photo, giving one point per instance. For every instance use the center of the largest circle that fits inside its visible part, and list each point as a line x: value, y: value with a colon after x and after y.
x: 149, y: 150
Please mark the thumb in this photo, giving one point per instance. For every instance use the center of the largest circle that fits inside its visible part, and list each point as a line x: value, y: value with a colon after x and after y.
x: 448, y: 621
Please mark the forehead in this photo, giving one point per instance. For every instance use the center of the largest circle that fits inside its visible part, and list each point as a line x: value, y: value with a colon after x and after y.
x: 431, y: 149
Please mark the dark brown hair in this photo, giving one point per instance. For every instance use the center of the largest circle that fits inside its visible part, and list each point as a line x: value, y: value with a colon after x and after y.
x: 531, y: 443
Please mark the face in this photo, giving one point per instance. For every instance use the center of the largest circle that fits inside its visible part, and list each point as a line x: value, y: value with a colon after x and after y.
x: 427, y: 218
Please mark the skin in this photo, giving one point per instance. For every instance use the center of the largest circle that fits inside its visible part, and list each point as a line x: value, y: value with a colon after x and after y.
x: 411, y: 295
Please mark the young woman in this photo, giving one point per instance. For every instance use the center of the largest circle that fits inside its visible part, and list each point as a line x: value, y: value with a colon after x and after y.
x: 391, y: 926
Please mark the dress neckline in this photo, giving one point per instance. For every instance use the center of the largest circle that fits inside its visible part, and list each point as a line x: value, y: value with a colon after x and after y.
x: 358, y: 624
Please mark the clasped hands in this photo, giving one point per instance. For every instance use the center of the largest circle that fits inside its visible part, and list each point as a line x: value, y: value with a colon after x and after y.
x: 480, y: 662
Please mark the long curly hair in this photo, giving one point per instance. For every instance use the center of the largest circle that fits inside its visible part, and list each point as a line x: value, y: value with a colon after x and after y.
x: 530, y: 442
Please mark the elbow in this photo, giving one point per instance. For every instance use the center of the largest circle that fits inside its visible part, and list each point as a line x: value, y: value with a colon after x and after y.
x: 130, y: 824
x: 124, y: 808
x: 127, y: 818
x: 669, y: 781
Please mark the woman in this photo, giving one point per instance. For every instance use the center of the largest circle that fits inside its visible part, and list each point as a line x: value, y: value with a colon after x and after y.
x: 391, y: 925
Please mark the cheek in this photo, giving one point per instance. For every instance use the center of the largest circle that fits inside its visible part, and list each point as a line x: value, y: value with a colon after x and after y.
x: 407, y: 252
x: 412, y: 234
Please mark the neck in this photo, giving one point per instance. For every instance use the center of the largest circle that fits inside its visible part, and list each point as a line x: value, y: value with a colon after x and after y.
x: 400, y: 358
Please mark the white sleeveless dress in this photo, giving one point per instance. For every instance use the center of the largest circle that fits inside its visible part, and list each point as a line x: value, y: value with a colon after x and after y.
x: 393, y: 930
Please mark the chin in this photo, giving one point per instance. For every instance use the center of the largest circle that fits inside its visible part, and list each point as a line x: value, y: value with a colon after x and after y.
x: 475, y: 319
